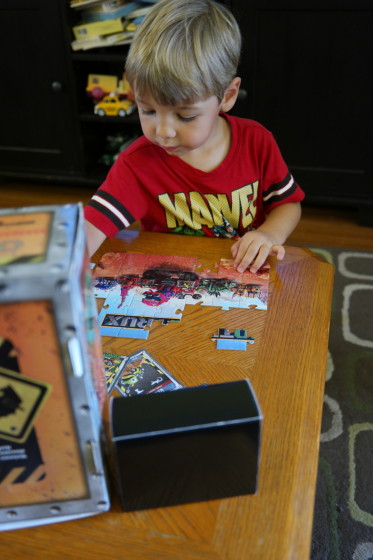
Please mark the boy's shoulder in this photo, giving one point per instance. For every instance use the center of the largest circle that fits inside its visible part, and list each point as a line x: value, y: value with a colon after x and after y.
x: 249, y: 125
x: 138, y: 147
x: 251, y: 135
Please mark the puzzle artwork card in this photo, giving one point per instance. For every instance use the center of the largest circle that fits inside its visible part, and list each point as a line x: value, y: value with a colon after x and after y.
x: 113, y: 365
x: 142, y: 374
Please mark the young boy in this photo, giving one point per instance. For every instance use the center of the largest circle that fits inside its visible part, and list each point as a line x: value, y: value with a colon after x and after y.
x: 196, y: 170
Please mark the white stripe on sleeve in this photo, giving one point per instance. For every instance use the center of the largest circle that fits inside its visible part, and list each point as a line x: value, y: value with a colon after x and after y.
x: 280, y: 191
x: 112, y: 209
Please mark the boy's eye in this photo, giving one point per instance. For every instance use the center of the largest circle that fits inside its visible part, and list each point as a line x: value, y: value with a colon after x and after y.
x: 186, y: 119
x: 150, y: 112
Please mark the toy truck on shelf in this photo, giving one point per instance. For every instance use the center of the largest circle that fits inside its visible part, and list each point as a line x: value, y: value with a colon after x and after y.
x: 100, y: 85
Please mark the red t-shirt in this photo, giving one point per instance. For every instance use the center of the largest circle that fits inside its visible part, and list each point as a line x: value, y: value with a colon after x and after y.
x: 166, y: 194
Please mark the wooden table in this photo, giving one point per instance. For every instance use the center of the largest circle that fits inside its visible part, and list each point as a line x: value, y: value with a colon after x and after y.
x: 286, y: 367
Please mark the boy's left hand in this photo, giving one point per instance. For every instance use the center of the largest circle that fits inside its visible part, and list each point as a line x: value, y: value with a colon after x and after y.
x: 252, y: 249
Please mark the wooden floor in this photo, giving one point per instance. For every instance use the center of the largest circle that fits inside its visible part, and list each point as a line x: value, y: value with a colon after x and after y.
x: 318, y: 226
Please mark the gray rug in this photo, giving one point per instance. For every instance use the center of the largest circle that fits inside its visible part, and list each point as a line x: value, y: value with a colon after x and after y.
x: 343, y: 520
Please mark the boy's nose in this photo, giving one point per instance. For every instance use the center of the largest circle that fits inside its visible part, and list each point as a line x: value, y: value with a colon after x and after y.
x: 165, y: 129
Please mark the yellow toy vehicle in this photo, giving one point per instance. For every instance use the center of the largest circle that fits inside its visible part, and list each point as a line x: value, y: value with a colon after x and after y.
x: 99, y: 85
x: 113, y: 106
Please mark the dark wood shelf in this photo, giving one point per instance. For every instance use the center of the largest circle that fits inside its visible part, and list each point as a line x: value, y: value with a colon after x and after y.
x: 97, y: 55
x: 92, y: 118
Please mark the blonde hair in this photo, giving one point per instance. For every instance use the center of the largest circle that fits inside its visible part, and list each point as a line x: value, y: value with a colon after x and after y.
x: 184, y: 50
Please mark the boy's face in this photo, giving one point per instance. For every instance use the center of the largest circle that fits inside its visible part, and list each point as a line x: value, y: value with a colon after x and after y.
x: 180, y: 129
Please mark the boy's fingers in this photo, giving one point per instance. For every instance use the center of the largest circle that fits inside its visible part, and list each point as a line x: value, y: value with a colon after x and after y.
x: 260, y: 259
x: 278, y: 251
x: 234, y: 250
x: 254, y: 256
x: 253, y: 260
x: 245, y: 257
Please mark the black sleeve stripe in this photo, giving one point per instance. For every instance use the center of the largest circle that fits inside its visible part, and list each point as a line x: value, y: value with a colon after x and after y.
x: 115, y: 202
x: 106, y: 212
x: 282, y: 196
x: 278, y: 186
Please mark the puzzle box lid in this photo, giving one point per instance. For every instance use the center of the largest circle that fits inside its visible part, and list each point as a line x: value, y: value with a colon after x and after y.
x: 186, y: 409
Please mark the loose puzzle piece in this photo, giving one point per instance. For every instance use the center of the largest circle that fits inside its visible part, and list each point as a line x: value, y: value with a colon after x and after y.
x: 159, y: 287
x: 232, y: 340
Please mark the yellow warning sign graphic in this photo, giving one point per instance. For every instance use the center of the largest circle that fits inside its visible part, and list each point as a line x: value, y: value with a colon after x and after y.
x: 21, y: 399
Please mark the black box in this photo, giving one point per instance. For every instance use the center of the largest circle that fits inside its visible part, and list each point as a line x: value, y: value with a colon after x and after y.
x: 189, y: 445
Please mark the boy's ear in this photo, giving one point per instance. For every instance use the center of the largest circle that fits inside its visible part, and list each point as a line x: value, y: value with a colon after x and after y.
x: 230, y: 95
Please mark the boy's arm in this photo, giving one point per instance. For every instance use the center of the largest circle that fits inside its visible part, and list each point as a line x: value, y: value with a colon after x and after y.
x: 95, y: 237
x: 253, y: 248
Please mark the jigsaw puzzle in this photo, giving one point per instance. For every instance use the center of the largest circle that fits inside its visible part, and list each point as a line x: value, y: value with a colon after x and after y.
x: 139, y: 289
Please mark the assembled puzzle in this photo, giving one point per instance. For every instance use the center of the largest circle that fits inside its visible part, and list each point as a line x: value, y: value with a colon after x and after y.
x: 139, y: 289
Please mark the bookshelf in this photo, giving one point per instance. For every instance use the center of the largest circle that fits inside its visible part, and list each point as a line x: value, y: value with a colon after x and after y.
x: 305, y: 70
x: 49, y: 129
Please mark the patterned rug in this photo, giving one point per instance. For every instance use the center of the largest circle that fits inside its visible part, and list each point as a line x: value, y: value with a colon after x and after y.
x: 343, y: 520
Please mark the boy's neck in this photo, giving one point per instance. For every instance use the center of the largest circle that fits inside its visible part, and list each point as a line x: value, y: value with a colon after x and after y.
x: 210, y: 156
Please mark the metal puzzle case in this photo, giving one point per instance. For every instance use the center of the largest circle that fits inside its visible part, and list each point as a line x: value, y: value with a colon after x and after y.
x: 52, y: 386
